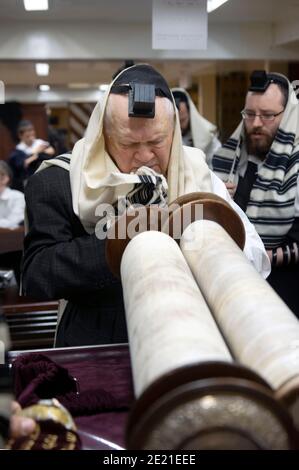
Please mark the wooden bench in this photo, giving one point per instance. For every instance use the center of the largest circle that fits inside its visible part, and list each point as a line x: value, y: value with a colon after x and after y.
x: 31, y: 323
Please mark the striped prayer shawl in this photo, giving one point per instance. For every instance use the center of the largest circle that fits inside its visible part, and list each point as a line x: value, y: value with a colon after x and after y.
x: 148, y: 189
x: 271, y: 206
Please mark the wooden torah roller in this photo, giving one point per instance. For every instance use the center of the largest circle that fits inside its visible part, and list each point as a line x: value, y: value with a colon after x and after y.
x: 210, y: 406
x: 173, y: 221
x: 206, y: 206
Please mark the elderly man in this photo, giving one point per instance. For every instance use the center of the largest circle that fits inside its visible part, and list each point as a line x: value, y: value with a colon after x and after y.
x: 260, y: 165
x: 196, y: 130
x: 132, y: 150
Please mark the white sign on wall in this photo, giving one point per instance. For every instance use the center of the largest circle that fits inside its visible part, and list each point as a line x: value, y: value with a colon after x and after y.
x: 179, y: 24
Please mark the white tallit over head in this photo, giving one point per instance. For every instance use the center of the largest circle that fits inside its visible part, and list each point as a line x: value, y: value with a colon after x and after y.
x: 202, y: 131
x: 95, y: 179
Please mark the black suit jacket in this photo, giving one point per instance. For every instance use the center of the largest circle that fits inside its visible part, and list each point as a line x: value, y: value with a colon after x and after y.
x: 61, y: 260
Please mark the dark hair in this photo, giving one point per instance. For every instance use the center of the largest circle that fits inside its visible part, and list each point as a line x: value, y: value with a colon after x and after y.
x: 142, y: 74
x: 285, y: 95
x: 180, y: 97
x: 5, y: 170
x: 24, y: 125
x: 53, y: 120
x: 282, y: 85
x: 126, y: 65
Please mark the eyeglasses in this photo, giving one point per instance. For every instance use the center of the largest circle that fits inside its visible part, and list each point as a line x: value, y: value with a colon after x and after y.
x: 250, y: 116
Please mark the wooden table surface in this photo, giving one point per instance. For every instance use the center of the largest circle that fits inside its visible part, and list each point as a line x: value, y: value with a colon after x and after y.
x: 11, y: 240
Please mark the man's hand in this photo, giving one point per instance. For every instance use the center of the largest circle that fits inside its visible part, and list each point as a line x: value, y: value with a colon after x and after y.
x: 40, y: 148
x: 30, y: 159
x: 19, y: 425
x: 231, y: 187
x: 44, y: 148
x: 49, y: 150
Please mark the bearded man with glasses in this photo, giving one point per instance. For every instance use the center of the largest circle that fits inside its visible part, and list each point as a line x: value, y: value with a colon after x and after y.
x: 260, y: 166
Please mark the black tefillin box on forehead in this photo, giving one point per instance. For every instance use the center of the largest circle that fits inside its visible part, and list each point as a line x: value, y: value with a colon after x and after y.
x: 141, y: 98
x: 260, y: 80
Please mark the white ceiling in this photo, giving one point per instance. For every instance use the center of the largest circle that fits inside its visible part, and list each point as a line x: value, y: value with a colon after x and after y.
x: 68, y: 10
x: 105, y: 12
x: 141, y: 10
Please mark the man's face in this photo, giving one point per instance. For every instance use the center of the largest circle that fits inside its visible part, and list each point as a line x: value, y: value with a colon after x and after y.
x: 184, y: 117
x: 134, y: 142
x: 28, y: 136
x: 260, y: 134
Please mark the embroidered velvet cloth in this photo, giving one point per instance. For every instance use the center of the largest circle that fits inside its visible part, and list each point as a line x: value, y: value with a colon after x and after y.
x: 37, y: 377
x: 99, y: 367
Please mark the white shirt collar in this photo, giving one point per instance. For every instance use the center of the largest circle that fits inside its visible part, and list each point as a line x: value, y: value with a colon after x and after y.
x: 5, y: 194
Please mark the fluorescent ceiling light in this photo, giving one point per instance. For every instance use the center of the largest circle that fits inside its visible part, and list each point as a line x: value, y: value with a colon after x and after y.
x: 103, y: 87
x: 213, y: 4
x: 44, y: 88
x: 42, y: 69
x: 34, y: 5
x: 79, y: 86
